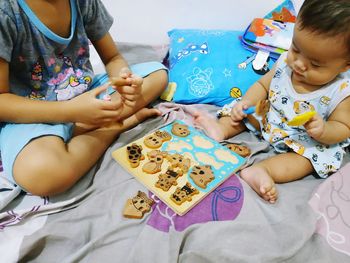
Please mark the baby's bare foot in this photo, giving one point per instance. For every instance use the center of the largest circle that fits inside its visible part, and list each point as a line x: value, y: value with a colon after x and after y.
x: 210, y: 125
x: 261, y: 182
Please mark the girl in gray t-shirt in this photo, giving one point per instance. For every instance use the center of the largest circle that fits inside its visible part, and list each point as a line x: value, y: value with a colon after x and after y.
x: 54, y: 124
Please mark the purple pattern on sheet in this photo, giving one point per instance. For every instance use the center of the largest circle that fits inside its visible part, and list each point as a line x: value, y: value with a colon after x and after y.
x: 222, y: 204
x: 14, y: 217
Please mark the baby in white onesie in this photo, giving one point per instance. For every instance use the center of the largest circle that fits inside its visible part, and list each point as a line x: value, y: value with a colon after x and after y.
x: 313, y: 76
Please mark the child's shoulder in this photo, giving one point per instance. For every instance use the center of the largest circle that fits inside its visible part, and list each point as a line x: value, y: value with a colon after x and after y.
x: 341, y: 84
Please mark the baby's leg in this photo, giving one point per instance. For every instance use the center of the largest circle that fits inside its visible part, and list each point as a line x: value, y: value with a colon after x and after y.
x: 48, y: 166
x: 218, y: 129
x: 282, y: 168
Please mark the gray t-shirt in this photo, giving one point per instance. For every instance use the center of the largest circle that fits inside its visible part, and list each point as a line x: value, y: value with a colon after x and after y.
x: 42, y: 64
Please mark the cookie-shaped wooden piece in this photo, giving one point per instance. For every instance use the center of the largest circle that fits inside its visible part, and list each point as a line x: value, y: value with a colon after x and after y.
x: 183, y: 194
x: 202, y: 175
x: 137, y: 206
x: 156, y: 159
x: 241, y: 150
x: 168, y: 179
x: 166, y: 136
x: 155, y: 140
x: 135, y: 155
x: 180, y: 130
x: 178, y: 160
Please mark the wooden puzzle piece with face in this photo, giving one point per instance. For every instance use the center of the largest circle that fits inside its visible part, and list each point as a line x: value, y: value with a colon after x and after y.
x: 242, y: 150
x: 154, y: 165
x: 177, y: 160
x: 137, y: 206
x: 156, y: 139
x: 184, y: 194
x: 202, y: 175
x: 166, y: 136
x: 168, y: 179
x: 180, y: 130
x: 135, y: 155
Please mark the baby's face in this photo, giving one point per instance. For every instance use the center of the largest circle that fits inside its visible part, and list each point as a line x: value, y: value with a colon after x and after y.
x: 316, y: 59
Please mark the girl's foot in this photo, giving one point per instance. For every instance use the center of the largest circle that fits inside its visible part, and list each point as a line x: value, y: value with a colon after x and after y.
x: 139, y: 117
x: 128, y: 123
x: 258, y: 178
x: 133, y: 120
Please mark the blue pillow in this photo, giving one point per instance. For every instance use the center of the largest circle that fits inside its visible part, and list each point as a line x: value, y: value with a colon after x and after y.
x: 204, y: 66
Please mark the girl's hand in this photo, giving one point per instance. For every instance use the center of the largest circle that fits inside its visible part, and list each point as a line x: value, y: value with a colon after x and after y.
x: 315, y: 127
x: 237, y: 112
x: 87, y: 108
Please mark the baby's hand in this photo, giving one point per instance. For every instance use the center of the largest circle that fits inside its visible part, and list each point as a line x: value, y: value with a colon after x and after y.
x: 130, y: 93
x: 315, y: 127
x: 237, y: 112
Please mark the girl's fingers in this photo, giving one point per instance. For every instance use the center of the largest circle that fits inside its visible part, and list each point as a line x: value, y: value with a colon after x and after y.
x: 111, y: 105
x: 136, y: 80
x: 130, y: 97
x: 125, y: 72
x: 113, y: 81
x: 127, y: 89
x: 129, y: 103
x: 99, y: 90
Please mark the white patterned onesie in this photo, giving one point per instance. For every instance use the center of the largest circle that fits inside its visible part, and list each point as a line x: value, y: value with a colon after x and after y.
x: 286, y: 103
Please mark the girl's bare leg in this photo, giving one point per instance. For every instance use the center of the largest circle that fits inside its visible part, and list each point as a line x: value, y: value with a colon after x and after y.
x: 48, y: 166
x: 282, y: 168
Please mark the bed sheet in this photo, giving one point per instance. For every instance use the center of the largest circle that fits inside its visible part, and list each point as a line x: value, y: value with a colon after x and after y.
x: 232, y: 224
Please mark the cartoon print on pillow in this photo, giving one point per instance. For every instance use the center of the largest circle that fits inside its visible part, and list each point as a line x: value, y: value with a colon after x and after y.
x: 200, y: 83
x: 188, y: 50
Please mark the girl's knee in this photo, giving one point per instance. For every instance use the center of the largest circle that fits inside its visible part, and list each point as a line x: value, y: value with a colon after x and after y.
x: 160, y: 77
x: 42, y: 178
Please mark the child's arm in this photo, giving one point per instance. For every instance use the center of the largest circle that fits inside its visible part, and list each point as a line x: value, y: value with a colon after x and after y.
x: 84, y: 108
x: 336, y: 129
x: 137, y: 95
x: 260, y: 89
x: 257, y: 92
x: 110, y: 56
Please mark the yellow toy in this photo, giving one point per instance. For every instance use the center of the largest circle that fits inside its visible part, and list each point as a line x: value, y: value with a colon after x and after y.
x: 301, y: 119
x: 168, y: 94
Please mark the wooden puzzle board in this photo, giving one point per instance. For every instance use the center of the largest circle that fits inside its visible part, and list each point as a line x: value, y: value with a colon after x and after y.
x: 200, y: 149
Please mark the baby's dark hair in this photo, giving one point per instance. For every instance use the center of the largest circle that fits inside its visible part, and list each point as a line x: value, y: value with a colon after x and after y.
x: 328, y: 17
